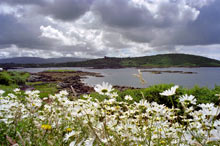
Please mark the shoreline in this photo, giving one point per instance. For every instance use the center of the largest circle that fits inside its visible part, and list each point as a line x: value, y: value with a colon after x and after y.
x: 150, y: 67
x: 70, y: 81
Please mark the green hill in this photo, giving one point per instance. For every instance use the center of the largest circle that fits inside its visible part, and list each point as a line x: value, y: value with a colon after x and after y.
x: 167, y: 60
x: 163, y: 60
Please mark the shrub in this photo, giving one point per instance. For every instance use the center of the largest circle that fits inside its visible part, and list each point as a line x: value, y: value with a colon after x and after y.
x: 11, y: 77
x: 5, y: 78
x: 202, y: 94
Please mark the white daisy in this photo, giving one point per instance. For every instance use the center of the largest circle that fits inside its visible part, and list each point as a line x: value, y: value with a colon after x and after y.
x: 103, y: 89
x: 68, y: 135
x: 1, y: 92
x: 170, y: 91
x: 128, y: 97
x: 187, y: 99
x: 16, y: 90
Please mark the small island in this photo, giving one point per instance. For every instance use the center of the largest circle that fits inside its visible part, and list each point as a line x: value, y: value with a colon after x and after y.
x: 168, y: 71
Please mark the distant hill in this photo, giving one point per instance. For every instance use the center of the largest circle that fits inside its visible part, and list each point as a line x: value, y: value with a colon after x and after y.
x: 163, y: 60
x: 38, y: 60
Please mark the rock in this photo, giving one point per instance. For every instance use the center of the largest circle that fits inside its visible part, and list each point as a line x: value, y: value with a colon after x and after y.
x: 122, y: 88
x: 34, y: 78
x: 62, y: 85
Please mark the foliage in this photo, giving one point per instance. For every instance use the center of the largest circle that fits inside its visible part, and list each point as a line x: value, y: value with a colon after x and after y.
x: 45, y: 88
x: 55, y: 120
x: 12, y: 77
x: 8, y: 89
x: 152, y: 94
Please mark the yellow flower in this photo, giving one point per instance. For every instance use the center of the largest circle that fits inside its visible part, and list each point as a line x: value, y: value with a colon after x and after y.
x: 162, y: 142
x: 46, y: 127
x: 68, y: 129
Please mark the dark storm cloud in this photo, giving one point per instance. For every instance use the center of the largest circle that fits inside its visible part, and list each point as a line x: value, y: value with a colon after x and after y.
x: 66, y: 10
x: 24, y: 2
x: 114, y: 25
x: 19, y: 32
x: 139, y: 23
x: 204, y: 30
x: 118, y: 13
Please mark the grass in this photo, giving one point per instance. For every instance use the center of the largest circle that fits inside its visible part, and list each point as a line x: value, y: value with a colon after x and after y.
x: 44, y: 88
x: 8, y: 89
x: 12, y: 77
x: 59, y: 70
x: 9, y: 80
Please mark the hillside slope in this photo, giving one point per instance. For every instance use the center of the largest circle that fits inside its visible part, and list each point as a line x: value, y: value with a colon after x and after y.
x: 163, y: 60
x: 167, y: 60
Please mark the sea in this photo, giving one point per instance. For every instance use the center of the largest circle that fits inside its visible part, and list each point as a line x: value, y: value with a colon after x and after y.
x: 202, y: 76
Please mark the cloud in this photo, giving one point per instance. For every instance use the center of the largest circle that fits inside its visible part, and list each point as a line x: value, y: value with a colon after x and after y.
x: 95, y: 28
x: 66, y: 10
x: 24, y: 2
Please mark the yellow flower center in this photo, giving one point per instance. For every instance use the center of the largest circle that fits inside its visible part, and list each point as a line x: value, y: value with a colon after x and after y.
x: 46, y: 127
x: 104, y: 90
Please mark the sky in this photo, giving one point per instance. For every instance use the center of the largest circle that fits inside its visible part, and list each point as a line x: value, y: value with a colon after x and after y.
x: 116, y: 28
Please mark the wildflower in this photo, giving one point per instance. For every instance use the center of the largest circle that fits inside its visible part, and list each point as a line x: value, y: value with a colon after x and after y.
x: 113, y: 95
x: 89, y: 141
x: 215, y: 135
x: 1, y: 92
x: 128, y: 97
x: 16, y: 90
x: 162, y: 142
x: 214, y: 111
x: 46, y: 127
x: 170, y: 91
x: 64, y: 92
x: 73, y: 143
x: 68, y: 129
x: 68, y: 135
x: 217, y: 95
x: 187, y: 99
x: 103, y: 89
x: 207, y: 105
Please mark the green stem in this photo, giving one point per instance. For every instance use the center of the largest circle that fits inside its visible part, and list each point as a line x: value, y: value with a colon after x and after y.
x: 171, y: 99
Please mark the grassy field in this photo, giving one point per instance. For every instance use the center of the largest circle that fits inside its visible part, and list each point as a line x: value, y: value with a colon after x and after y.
x: 11, y: 80
x: 45, y: 88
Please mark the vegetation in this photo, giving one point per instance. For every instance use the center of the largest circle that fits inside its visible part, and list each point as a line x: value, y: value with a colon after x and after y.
x: 158, y: 115
x: 165, y: 60
x: 9, y: 80
x: 152, y: 94
x: 45, y: 88
x: 13, y: 78
x: 110, y: 121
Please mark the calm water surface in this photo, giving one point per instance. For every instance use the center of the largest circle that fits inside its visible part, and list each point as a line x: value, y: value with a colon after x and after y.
x: 206, y: 76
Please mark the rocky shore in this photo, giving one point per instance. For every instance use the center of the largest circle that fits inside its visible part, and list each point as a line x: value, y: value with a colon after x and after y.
x: 70, y: 81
